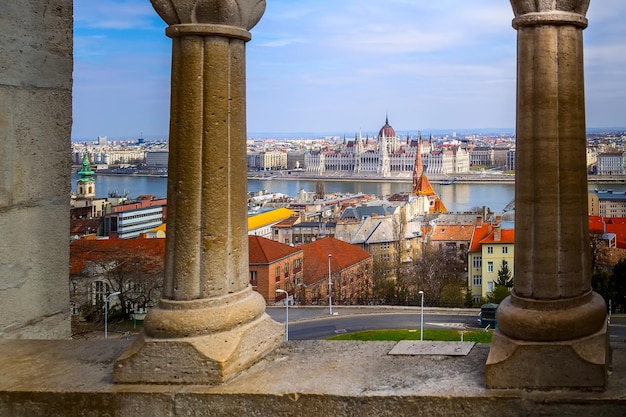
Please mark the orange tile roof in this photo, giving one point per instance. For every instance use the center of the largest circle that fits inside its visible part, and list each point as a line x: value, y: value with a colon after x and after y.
x: 423, y: 187
x: 450, y: 233
x: 507, y: 236
x: 480, y: 232
x: 344, y: 255
x: 439, y: 207
x: 266, y: 251
x: 83, y: 251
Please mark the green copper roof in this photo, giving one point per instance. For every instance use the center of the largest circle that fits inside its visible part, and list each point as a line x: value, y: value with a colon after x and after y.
x: 85, y: 172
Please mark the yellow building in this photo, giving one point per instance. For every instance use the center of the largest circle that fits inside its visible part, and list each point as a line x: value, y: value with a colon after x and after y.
x: 490, y: 248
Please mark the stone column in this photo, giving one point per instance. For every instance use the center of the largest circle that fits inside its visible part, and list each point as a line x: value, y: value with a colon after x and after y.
x: 209, y: 324
x: 35, y: 128
x: 552, y: 329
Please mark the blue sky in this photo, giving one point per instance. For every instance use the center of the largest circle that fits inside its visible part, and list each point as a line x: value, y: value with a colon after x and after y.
x: 329, y: 66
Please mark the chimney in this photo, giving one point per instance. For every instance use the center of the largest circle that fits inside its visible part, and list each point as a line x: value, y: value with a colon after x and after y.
x: 497, y: 234
x: 479, y: 221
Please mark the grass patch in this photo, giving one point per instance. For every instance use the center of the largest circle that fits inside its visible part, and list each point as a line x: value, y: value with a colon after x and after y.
x: 447, y: 335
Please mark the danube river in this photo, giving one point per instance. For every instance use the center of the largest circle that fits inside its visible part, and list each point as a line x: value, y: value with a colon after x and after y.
x: 458, y: 197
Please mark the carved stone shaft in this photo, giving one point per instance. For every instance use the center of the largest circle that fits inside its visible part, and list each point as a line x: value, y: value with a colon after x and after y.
x: 552, y: 303
x: 209, y: 324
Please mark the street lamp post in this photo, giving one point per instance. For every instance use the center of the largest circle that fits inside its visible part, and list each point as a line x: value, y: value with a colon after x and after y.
x: 330, y: 292
x: 106, y: 312
x: 286, y: 313
x: 422, y: 317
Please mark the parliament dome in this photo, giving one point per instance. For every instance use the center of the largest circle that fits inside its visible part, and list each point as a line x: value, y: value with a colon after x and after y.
x: 387, y: 131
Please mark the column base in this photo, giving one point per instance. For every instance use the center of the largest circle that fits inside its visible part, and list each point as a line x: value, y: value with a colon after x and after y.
x: 207, y: 360
x: 576, y: 364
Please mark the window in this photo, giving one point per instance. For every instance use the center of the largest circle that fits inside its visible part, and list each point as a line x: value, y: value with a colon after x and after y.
x: 277, y: 273
x: 384, y: 246
x: 489, y: 249
x: 490, y: 286
x: 478, y: 262
x: 99, y: 290
x: 297, y: 265
x: 478, y: 280
x: 253, y: 278
x: 505, y: 249
x: 489, y: 266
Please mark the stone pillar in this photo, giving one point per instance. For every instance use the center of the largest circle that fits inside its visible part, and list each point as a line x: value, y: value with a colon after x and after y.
x: 552, y: 329
x: 35, y: 128
x: 209, y: 324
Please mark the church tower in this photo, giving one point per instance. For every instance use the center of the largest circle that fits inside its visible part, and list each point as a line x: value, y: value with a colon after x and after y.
x: 86, y: 184
x: 422, y: 187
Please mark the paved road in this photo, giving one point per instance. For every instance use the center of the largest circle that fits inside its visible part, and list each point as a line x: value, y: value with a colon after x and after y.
x: 316, y: 323
x: 309, y: 323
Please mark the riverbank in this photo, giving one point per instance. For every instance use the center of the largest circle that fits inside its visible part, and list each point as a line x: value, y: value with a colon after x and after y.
x: 460, y: 179
x: 481, y: 178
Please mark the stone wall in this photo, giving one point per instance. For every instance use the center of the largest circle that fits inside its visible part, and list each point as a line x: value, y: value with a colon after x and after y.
x: 35, y: 126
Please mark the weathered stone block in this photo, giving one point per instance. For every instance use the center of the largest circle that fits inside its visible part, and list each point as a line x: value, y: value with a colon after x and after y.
x: 575, y: 364
x: 34, y: 259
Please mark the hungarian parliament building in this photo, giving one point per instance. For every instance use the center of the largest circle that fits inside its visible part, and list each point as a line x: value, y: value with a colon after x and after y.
x: 388, y: 156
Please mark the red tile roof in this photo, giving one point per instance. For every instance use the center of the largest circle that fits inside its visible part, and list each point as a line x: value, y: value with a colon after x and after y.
x: 83, y: 251
x: 615, y: 225
x: 288, y: 222
x: 344, y: 255
x: 266, y: 251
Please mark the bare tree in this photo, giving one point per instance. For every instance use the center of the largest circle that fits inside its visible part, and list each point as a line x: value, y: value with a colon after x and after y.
x: 439, y: 275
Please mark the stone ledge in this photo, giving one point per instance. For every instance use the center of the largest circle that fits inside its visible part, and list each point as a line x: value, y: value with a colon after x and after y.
x: 308, y: 378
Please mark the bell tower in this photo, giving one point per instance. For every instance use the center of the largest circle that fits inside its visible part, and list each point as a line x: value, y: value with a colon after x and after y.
x: 86, y: 184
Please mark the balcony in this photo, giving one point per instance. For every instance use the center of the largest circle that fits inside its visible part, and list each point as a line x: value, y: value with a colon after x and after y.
x: 66, y: 378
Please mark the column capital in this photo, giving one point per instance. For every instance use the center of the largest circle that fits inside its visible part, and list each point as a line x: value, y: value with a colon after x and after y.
x: 236, y: 14
x: 550, y: 12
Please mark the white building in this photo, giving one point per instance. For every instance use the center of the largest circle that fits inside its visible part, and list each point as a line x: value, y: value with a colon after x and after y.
x: 387, y: 155
x: 611, y: 163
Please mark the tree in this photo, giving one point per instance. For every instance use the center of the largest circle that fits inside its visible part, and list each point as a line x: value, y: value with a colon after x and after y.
x: 505, y: 276
x: 612, y: 286
x: 503, y: 285
x: 440, y: 275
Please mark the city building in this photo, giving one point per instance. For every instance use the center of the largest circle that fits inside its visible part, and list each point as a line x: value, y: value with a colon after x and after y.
x: 610, y: 163
x: 261, y: 224
x: 616, y: 226
x: 344, y: 268
x: 267, y: 160
x: 84, y: 204
x: 386, y: 156
x: 157, y: 159
x: 273, y: 266
x: 132, y: 219
x: 99, y: 267
x: 490, y: 248
x: 607, y: 203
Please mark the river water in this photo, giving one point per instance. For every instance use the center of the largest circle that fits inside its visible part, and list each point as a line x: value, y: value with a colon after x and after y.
x: 458, y: 197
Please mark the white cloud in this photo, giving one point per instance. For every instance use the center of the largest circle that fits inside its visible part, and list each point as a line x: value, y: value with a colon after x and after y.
x: 320, y: 65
